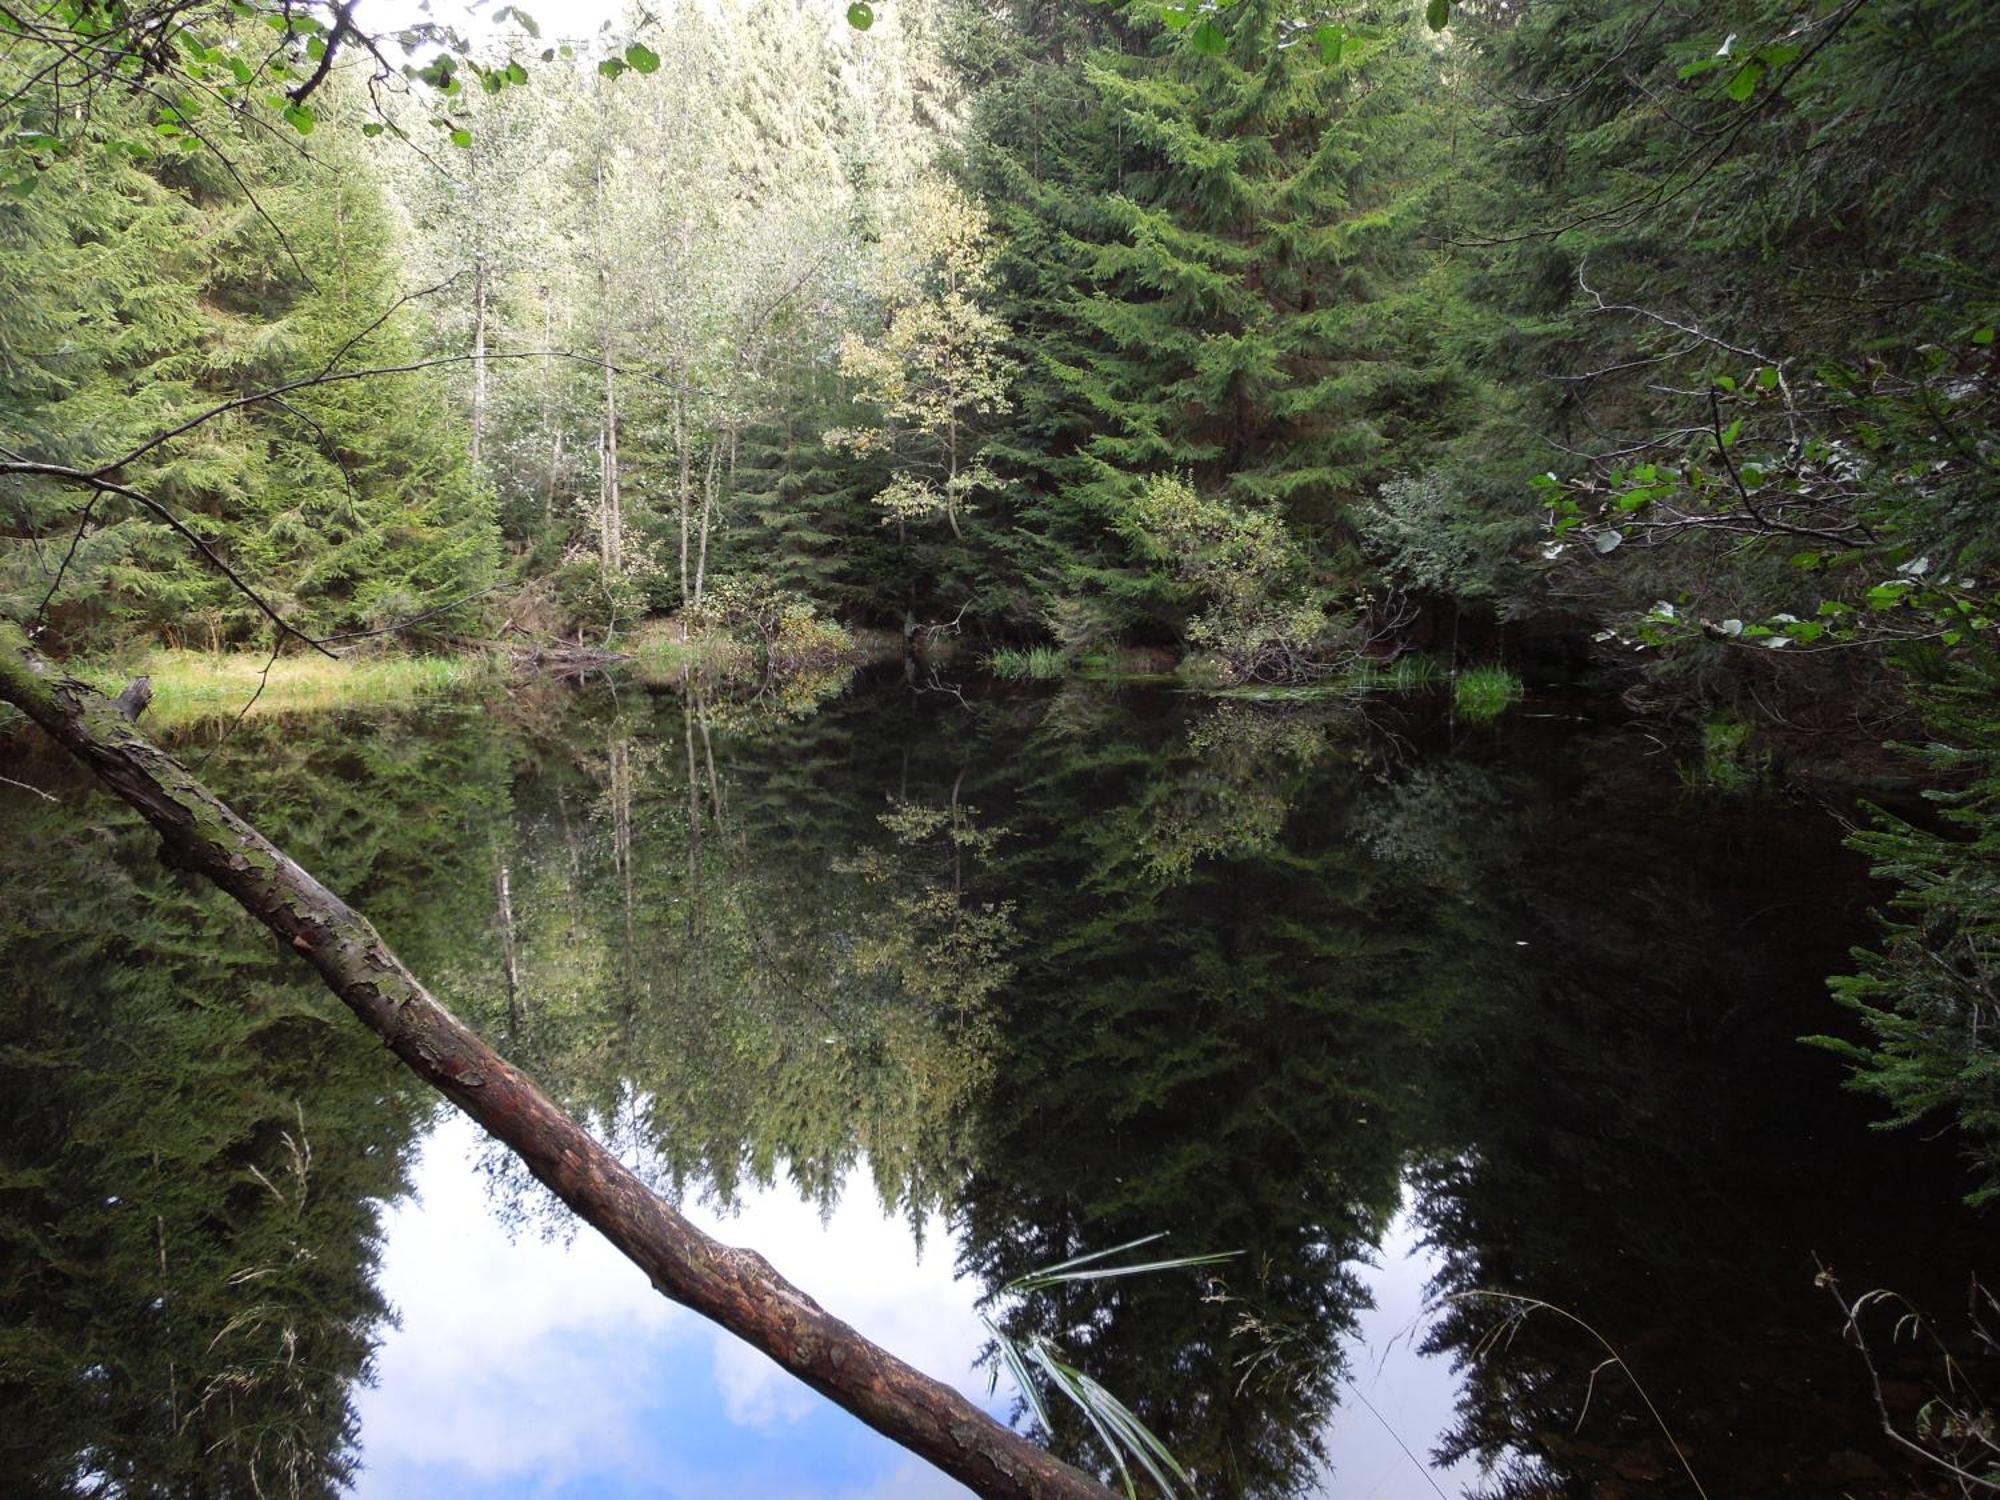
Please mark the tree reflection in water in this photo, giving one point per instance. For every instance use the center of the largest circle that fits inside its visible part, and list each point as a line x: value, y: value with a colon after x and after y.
x: 1070, y: 970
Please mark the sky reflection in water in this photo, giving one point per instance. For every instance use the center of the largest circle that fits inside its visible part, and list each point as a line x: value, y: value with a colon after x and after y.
x: 526, y: 1365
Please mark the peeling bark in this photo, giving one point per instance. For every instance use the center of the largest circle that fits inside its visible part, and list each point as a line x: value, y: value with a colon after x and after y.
x: 736, y: 1288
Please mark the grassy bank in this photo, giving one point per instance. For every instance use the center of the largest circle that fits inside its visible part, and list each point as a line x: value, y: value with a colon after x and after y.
x: 192, y: 685
x: 659, y: 655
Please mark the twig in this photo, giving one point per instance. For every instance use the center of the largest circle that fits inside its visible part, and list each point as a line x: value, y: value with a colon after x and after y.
x: 1851, y: 1331
x: 405, y: 624
x: 75, y: 541
x: 97, y: 481
x: 1536, y: 1304
x: 263, y: 679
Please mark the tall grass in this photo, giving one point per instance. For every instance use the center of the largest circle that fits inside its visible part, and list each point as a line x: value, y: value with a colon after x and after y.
x: 1481, y: 694
x: 1027, y: 663
x: 1409, y: 673
x: 1037, y: 1360
x: 193, y: 685
x: 662, y: 656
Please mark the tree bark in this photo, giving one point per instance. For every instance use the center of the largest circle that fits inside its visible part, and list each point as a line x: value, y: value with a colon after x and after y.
x: 510, y: 964
x: 479, y: 363
x: 681, y: 456
x: 736, y: 1288
x: 708, y: 508
x: 611, y: 512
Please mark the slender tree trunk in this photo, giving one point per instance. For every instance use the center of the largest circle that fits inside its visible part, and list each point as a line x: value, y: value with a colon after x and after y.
x: 951, y: 479
x: 510, y: 964
x: 692, y: 949
x: 708, y: 754
x: 708, y: 508
x: 621, y: 841
x: 621, y: 837
x: 612, y: 519
x: 555, y: 433
x: 736, y: 1288
x: 479, y: 361
x: 555, y: 469
x: 681, y: 454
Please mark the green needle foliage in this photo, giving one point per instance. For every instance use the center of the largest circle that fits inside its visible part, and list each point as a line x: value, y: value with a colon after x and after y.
x: 1212, y: 257
x: 1927, y: 993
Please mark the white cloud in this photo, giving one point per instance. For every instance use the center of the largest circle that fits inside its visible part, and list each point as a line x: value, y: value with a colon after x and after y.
x: 540, y: 1362
x: 911, y: 1480
x: 862, y: 1267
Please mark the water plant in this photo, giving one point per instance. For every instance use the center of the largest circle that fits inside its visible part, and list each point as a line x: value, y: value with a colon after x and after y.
x: 1481, y: 694
x: 1027, y: 663
x: 1725, y: 765
x: 1411, y: 672
x: 1117, y: 1428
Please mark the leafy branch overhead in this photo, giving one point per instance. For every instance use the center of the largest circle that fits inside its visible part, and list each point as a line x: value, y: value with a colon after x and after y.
x: 206, y: 67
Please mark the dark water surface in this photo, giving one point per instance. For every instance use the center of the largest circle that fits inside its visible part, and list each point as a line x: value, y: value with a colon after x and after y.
x: 917, y: 997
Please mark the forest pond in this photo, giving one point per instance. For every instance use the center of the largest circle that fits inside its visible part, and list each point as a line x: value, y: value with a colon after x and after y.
x: 917, y: 992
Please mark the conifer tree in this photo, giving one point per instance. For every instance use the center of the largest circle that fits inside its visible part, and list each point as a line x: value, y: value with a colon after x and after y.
x: 1216, y: 255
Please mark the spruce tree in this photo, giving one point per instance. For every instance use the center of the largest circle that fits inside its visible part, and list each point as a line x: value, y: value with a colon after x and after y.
x: 165, y: 283
x: 1214, y: 262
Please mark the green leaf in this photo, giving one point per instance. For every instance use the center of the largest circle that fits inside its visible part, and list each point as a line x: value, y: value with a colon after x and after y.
x: 461, y: 137
x: 301, y: 118
x: 372, y: 128
x: 516, y: 73
x: 642, y: 58
x: 1984, y: 335
x: 860, y: 15
x: 1744, y: 84
x: 1208, y: 38
x: 520, y: 18
x: 611, y: 67
x: 1438, y: 14
x: 1767, y: 378
x: 1732, y: 432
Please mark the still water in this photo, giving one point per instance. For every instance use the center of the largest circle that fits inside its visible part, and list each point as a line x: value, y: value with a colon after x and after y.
x: 918, y: 993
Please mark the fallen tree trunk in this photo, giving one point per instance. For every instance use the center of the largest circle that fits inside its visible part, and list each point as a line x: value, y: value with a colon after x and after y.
x: 736, y: 1288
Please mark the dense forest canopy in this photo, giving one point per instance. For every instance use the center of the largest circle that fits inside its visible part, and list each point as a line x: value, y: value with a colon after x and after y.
x: 1556, y: 311
x: 1637, y: 347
